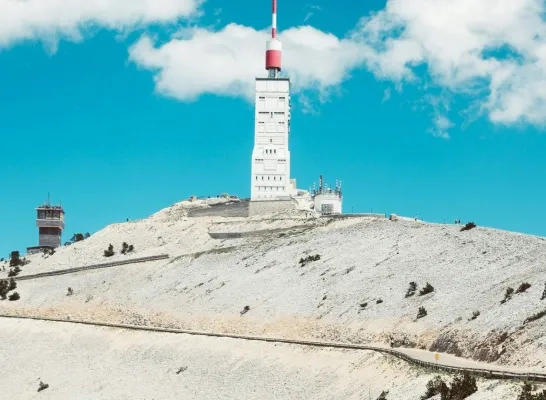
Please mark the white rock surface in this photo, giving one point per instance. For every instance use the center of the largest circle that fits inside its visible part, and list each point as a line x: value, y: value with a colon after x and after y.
x: 207, y: 282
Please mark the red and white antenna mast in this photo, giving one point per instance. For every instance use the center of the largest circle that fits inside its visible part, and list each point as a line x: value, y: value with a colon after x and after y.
x: 273, y: 52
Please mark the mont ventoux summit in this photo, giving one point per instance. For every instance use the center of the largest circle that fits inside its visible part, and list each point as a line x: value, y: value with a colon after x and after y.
x: 276, y: 296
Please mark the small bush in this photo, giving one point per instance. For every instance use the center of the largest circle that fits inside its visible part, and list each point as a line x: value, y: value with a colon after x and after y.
x: 12, y: 285
x: 42, y: 386
x: 422, y: 312
x: 14, y: 296
x: 468, y: 226
x: 109, y: 252
x: 77, y: 237
x: 308, y: 259
x: 475, y: 315
x: 245, y: 310
x: 364, y: 305
x: 523, y: 287
x: 426, y: 290
x: 14, y: 272
x: 379, y: 301
x: 383, y: 395
x: 534, y: 317
x: 462, y: 387
x: 527, y: 393
x: 70, y: 292
x: 15, y: 259
x: 543, y: 293
x: 126, y: 248
x: 507, y: 295
x: 181, y: 369
x: 3, y: 289
x: 411, y: 290
x: 436, y: 386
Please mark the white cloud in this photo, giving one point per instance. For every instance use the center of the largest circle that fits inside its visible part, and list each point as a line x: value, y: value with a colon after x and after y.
x: 493, y: 51
x: 386, y: 95
x: 225, y: 62
x: 441, y: 126
x: 50, y: 19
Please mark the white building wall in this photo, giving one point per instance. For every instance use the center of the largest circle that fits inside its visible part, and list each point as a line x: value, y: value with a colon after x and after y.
x: 328, y: 203
x: 270, y: 172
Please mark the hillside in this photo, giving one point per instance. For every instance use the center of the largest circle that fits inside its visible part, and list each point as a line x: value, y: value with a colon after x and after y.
x: 207, y: 282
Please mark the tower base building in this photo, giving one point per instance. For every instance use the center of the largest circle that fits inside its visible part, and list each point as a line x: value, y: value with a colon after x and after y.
x: 50, y: 223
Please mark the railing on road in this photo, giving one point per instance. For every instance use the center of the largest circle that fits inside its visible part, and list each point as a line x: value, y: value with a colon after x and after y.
x: 94, y: 266
x: 490, y: 373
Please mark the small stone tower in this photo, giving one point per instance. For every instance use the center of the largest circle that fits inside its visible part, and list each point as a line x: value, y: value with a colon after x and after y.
x: 50, y: 223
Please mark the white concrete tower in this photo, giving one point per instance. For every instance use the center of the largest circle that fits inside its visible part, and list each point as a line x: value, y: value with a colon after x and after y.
x: 270, y: 170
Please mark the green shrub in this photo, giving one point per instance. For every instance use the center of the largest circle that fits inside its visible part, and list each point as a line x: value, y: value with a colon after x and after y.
x: 422, y: 312
x: 15, y: 259
x: 463, y: 386
x: 426, y: 290
x: 507, y: 295
x: 411, y: 290
x: 110, y: 251
x: 523, y: 287
x: 383, y: 395
x: 435, y: 386
x: 527, y: 393
x: 14, y: 296
x: 468, y: 226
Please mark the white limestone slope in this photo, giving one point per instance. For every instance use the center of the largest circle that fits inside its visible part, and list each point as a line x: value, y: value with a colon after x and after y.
x: 207, y: 282
x: 83, y: 362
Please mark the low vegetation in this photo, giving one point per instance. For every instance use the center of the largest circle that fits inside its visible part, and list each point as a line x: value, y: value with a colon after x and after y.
x: 42, y: 386
x: 543, y: 293
x: 308, y: 259
x: 110, y: 251
x: 126, y: 248
x: 14, y: 272
x: 475, y: 315
x: 527, y: 393
x: 534, y: 317
x: 16, y: 260
x: 77, y: 237
x: 468, y: 226
x: 245, y: 310
x: 523, y: 287
x: 383, y: 395
x: 14, y: 296
x: 426, y: 290
x: 507, y: 295
x: 411, y: 290
x: 422, y: 312
x: 463, y: 386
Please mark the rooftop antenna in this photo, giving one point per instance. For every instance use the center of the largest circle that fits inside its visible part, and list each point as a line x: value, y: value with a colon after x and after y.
x: 273, y: 52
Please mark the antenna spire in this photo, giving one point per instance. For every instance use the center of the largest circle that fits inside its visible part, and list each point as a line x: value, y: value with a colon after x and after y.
x: 273, y: 52
x: 274, y: 21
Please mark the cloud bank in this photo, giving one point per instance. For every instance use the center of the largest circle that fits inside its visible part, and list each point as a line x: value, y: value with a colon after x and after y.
x: 226, y: 61
x: 52, y: 19
x: 490, y: 52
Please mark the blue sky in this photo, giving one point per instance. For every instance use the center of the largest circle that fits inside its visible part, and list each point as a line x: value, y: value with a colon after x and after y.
x: 118, y: 117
